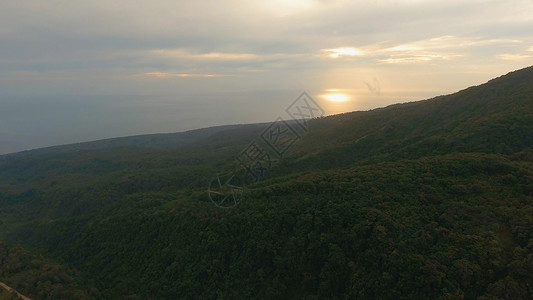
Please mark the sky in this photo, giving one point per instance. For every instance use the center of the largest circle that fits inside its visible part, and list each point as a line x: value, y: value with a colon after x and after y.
x: 73, y: 71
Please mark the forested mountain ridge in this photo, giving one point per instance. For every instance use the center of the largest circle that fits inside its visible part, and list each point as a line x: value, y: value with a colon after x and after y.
x: 495, y: 117
x: 430, y: 199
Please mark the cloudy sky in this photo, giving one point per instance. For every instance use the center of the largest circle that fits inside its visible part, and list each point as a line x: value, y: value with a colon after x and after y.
x: 73, y: 71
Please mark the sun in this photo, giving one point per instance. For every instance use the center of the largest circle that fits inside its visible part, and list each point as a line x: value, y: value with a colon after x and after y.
x: 335, y: 96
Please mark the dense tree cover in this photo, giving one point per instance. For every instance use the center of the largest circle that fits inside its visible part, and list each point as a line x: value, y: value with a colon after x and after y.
x: 412, y: 229
x: 4, y: 295
x: 426, y: 200
x: 38, y: 278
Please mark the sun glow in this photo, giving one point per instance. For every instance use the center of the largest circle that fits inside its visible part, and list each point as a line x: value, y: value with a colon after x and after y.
x: 334, y: 96
x: 337, y: 100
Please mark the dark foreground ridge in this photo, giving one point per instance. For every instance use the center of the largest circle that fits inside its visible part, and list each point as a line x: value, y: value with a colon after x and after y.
x: 425, y: 200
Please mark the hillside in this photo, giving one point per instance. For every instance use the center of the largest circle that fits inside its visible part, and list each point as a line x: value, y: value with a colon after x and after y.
x: 430, y: 199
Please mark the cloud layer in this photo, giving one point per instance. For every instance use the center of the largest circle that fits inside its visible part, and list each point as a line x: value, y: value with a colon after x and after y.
x: 240, y: 37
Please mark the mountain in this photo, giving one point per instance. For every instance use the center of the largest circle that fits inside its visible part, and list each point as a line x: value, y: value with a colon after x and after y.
x: 429, y: 199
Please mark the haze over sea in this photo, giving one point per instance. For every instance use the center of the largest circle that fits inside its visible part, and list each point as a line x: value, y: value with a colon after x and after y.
x: 29, y: 122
